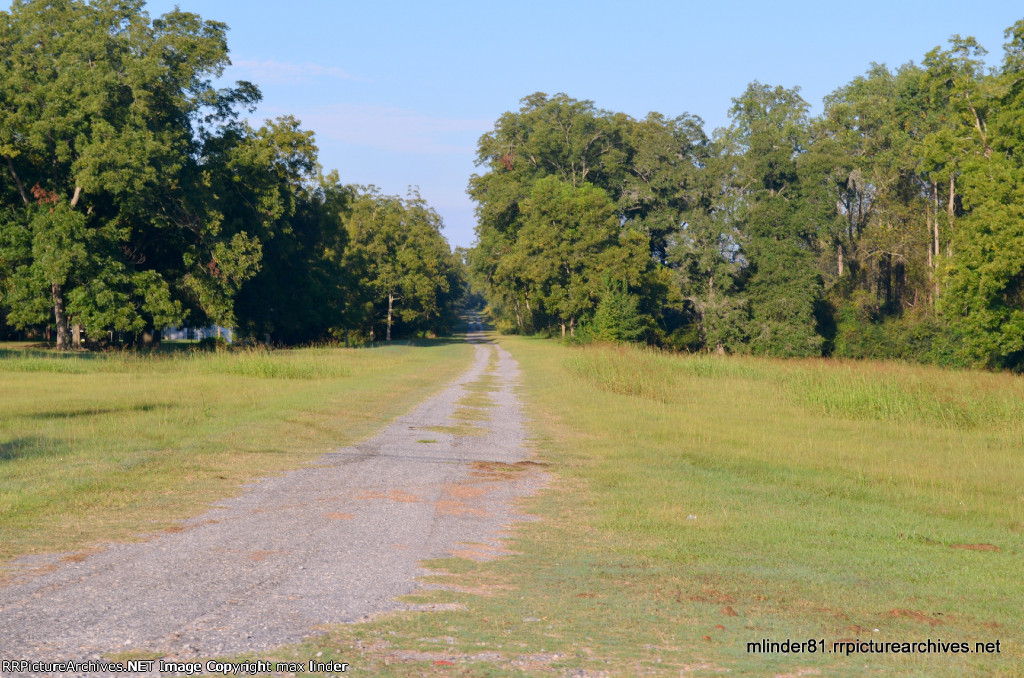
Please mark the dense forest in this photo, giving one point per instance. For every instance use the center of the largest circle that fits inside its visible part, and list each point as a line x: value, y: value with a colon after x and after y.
x: 134, y: 196
x: 891, y: 225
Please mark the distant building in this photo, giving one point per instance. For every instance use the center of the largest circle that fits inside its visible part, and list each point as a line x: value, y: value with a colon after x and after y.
x: 197, y: 333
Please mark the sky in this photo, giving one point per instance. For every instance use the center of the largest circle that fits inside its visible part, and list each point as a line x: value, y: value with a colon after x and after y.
x: 398, y: 93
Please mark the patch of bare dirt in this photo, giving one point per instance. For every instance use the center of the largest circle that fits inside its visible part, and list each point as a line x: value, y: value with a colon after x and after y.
x: 915, y: 615
x: 454, y: 507
x: 175, y: 529
x: 393, y: 495
x: 462, y: 491
x: 499, y: 471
x: 480, y: 552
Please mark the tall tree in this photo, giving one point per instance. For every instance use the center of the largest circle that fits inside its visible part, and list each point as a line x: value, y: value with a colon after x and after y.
x: 570, y: 240
x: 770, y: 132
x: 103, y: 113
x: 405, y: 261
x: 665, y: 183
x: 275, y: 190
x: 984, y: 292
x: 648, y: 171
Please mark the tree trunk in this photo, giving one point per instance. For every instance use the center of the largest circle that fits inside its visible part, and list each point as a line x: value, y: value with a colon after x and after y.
x: 885, y: 275
x: 17, y: 180
x: 391, y: 300
x: 952, y: 197
x: 951, y: 209
x: 76, y: 336
x: 151, y: 337
x: 839, y: 254
x: 60, y: 318
x: 935, y: 226
x: 563, y: 330
x: 928, y: 227
x: 572, y: 327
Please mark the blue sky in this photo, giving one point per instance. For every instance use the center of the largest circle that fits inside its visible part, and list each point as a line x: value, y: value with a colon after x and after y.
x: 399, y: 92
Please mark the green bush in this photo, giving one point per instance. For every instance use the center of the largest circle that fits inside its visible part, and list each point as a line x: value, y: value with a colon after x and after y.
x: 617, y: 317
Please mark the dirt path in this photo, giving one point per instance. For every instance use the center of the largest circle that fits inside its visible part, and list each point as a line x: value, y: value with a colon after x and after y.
x: 334, y: 542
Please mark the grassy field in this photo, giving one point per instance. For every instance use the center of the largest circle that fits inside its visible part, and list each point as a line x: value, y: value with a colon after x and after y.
x: 701, y: 503
x: 108, y: 446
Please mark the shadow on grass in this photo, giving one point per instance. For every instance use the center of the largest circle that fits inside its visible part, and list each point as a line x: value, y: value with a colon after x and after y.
x: 97, y: 411
x: 32, y: 446
x: 170, y: 348
x: 50, y: 354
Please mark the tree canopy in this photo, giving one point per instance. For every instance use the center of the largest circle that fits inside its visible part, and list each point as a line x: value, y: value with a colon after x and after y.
x: 890, y: 225
x: 134, y: 197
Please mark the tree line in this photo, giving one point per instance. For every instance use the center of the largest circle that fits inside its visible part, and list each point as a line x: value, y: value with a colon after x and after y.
x: 135, y: 196
x: 891, y: 225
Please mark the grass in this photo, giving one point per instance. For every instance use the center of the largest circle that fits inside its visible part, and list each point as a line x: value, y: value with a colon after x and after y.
x: 457, y: 430
x: 97, y: 447
x: 698, y: 503
x: 701, y: 503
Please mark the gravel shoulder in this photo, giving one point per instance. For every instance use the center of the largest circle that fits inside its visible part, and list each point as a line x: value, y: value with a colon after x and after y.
x: 333, y: 542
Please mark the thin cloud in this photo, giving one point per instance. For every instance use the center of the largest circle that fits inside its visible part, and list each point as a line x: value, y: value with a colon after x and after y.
x: 282, y: 72
x: 395, y: 130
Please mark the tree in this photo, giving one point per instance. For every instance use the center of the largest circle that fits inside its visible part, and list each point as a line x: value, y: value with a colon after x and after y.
x: 770, y: 131
x: 648, y: 171
x: 568, y: 239
x: 983, y: 295
x: 303, y: 290
x: 617, y: 316
x: 103, y: 117
x: 555, y: 136
x: 404, y: 260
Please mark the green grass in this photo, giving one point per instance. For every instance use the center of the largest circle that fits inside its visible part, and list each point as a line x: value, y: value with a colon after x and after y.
x: 100, y: 446
x: 700, y: 503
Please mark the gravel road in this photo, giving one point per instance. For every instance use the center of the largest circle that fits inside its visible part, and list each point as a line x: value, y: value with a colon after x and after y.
x: 333, y: 542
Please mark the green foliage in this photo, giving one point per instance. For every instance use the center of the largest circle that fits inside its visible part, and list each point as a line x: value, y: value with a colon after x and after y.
x: 132, y: 198
x: 409, y: 274
x: 573, y: 193
x: 92, y: 106
x: 771, y: 129
x: 983, y: 294
x: 889, y: 226
x: 566, y: 236
x: 617, y: 316
x: 303, y: 291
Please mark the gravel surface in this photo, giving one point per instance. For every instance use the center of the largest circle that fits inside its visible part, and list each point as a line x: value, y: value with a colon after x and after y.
x: 333, y: 542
